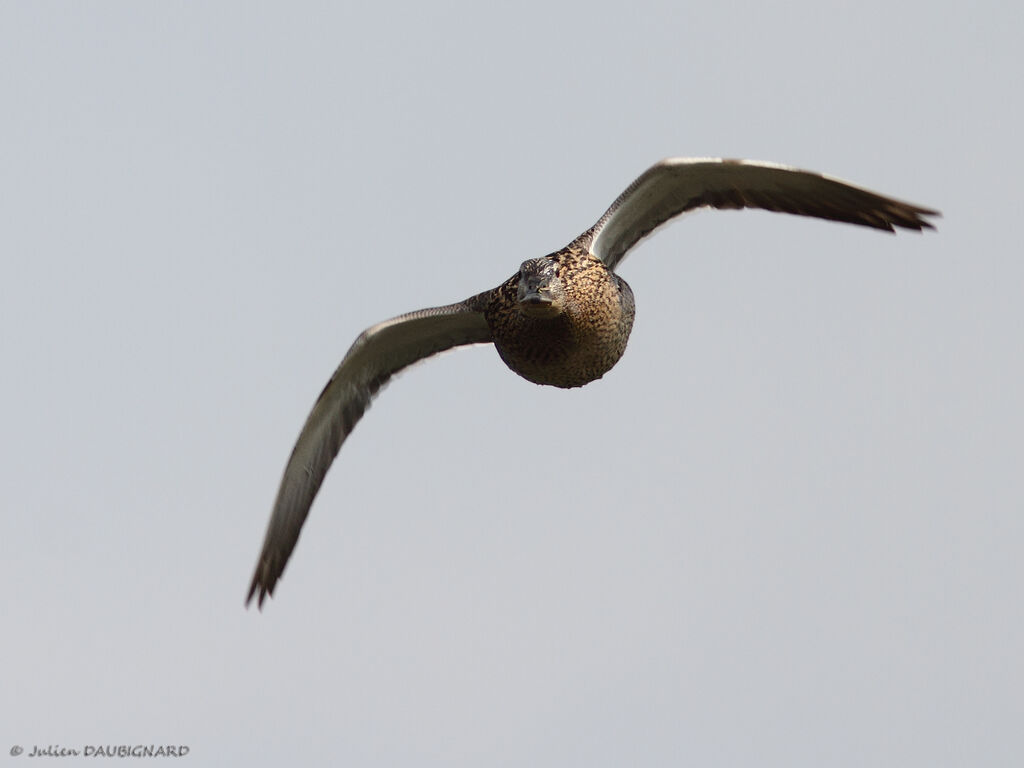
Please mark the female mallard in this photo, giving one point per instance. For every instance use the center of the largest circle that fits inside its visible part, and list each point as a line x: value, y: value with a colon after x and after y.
x: 562, y: 320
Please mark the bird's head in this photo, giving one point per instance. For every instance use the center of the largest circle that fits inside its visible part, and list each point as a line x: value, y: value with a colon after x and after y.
x: 540, y: 293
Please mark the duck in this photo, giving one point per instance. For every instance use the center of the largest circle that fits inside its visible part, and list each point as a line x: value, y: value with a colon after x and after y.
x: 562, y: 320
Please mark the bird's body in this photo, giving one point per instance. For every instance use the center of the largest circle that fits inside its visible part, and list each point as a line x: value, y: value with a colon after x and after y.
x: 562, y: 320
x: 575, y: 339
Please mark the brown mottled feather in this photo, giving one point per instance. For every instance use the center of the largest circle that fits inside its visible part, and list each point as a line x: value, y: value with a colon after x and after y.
x: 574, y: 348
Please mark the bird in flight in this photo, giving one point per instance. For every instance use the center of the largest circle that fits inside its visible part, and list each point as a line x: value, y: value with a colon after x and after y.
x: 562, y: 319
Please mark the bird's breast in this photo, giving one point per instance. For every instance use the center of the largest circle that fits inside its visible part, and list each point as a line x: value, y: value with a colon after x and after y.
x: 572, y: 348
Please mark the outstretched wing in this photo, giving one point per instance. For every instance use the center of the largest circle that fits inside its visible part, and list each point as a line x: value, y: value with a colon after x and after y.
x: 376, y: 355
x: 681, y: 184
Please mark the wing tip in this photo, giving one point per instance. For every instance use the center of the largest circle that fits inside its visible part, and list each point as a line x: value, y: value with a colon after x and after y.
x: 265, y: 588
x: 917, y: 220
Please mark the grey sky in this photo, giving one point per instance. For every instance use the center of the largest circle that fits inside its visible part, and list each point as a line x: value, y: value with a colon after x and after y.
x: 786, y: 530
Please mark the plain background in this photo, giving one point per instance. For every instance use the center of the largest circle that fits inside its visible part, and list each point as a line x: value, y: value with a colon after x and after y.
x: 786, y: 530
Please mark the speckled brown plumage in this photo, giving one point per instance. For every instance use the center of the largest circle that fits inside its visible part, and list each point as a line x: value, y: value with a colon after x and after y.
x: 561, y: 320
x: 582, y: 341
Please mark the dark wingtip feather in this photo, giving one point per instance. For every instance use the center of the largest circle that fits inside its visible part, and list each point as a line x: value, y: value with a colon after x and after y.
x: 925, y: 224
x: 258, y: 586
x: 912, y: 217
